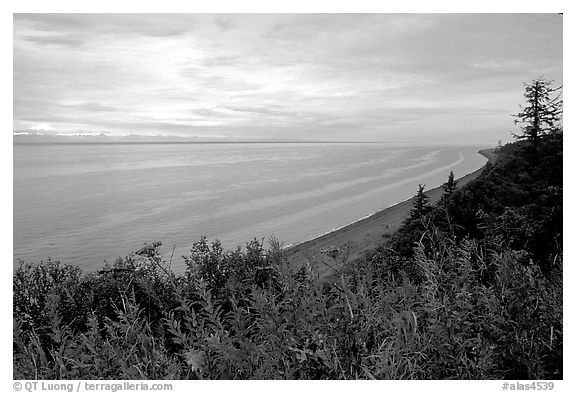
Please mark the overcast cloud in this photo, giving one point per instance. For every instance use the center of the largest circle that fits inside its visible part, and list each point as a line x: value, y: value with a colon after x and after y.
x: 385, y: 77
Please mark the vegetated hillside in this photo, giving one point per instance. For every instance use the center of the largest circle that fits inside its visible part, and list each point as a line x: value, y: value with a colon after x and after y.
x: 470, y: 289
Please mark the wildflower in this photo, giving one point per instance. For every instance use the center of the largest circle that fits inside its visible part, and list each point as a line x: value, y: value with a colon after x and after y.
x: 195, y: 359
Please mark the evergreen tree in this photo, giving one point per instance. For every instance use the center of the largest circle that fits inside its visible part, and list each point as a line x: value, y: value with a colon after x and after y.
x: 420, y: 206
x: 543, y: 111
x: 449, y: 187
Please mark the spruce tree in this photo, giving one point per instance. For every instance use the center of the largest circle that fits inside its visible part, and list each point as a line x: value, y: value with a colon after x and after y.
x: 420, y: 205
x: 449, y: 187
x: 543, y: 112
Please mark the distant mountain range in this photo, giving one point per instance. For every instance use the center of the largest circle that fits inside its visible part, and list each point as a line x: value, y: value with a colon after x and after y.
x: 23, y: 137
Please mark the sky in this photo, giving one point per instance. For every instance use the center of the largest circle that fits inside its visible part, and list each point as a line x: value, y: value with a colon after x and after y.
x: 426, y: 78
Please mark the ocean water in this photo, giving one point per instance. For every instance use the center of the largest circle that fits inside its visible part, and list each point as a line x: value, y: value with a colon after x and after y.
x: 83, y: 204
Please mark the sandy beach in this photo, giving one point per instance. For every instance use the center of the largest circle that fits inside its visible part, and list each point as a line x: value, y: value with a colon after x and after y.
x: 363, y: 236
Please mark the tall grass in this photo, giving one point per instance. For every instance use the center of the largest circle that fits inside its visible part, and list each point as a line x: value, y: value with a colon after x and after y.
x: 475, y: 315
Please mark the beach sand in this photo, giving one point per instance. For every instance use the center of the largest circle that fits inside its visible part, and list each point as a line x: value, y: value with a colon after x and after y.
x: 363, y: 236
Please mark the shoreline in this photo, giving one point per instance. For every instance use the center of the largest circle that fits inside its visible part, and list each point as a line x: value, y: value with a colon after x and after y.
x: 364, y: 235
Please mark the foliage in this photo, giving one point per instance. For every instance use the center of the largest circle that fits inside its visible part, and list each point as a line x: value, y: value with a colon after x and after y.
x: 543, y: 112
x: 508, y: 225
x: 449, y: 187
x: 420, y: 205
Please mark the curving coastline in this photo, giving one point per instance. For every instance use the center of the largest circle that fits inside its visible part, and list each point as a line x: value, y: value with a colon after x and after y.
x: 363, y: 236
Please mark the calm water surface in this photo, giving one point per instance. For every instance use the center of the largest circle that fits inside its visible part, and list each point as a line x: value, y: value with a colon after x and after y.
x: 83, y: 204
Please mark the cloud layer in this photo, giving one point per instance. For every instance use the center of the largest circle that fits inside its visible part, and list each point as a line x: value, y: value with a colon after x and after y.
x: 388, y: 77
